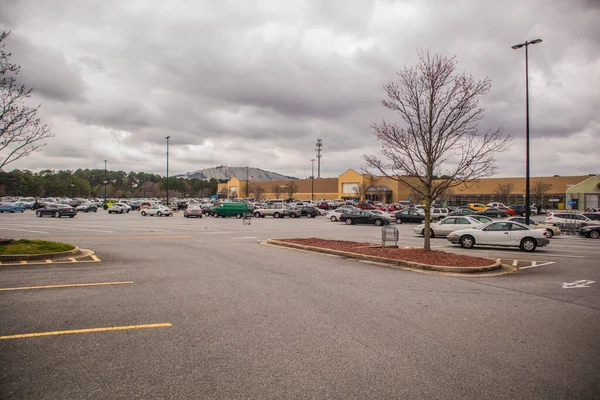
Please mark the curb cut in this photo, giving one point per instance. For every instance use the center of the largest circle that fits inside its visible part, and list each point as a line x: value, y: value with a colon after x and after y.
x: 401, y: 263
x: 46, y: 256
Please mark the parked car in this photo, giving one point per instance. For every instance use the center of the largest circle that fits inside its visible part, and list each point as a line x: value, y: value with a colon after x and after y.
x: 157, y: 210
x: 519, y: 209
x: 409, y: 215
x: 193, y: 210
x: 364, y: 217
x: 384, y: 214
x: 462, y: 211
x: 119, y: 208
x: 365, y: 206
x: 303, y: 211
x: 507, y: 210
x: 594, y: 216
x: 56, y: 210
x: 87, y: 207
x: 496, y: 205
x: 591, y: 231
x: 551, y: 229
x: 11, y: 207
x: 501, y: 233
x: 448, y: 225
x: 481, y: 218
x: 275, y: 210
x: 567, y: 218
x: 477, y: 206
x: 334, y: 215
x: 492, y: 212
x: 439, y: 213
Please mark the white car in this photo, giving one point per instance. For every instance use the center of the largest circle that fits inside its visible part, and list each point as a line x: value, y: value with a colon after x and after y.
x: 159, y: 211
x: 448, y: 225
x: 567, y: 218
x: 119, y: 208
x: 501, y: 233
x: 495, y: 205
x: 334, y: 215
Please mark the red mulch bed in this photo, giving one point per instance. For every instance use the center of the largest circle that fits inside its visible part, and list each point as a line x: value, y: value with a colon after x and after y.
x: 438, y: 258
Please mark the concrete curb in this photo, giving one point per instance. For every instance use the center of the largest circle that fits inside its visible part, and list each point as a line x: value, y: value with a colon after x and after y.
x: 401, y: 263
x: 46, y: 256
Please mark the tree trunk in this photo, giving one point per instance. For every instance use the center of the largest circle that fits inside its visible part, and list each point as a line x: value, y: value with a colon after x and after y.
x: 427, y: 232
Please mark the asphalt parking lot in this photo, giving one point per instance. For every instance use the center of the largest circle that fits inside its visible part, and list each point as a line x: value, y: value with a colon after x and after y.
x: 197, y: 308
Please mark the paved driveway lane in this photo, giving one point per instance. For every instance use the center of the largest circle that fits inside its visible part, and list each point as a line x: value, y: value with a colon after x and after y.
x: 265, y: 322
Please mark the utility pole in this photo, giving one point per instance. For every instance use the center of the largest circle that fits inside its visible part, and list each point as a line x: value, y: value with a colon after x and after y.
x: 312, y: 177
x: 105, y: 181
x: 168, y: 137
x: 319, y: 148
x: 247, y: 182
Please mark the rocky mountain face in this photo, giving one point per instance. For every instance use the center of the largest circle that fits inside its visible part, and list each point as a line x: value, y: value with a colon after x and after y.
x: 225, y: 172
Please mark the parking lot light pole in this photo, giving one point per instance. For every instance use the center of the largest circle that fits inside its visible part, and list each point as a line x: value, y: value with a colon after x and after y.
x: 312, y: 177
x: 168, y: 137
x: 105, y: 180
x: 527, y: 188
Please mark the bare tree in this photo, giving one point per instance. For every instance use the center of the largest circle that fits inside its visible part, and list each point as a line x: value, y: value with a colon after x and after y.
x: 277, y: 191
x: 292, y: 188
x: 503, y: 191
x: 258, y: 191
x: 439, y: 109
x: 539, y: 190
x: 360, y: 191
x: 21, y: 131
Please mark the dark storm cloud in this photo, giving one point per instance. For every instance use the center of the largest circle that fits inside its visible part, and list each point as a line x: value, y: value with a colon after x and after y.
x: 258, y: 82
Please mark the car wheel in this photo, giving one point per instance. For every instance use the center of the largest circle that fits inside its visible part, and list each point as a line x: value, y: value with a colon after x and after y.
x: 523, y: 214
x: 467, y: 242
x: 276, y: 215
x: 528, y: 244
x: 378, y: 222
x: 71, y: 216
x: 333, y: 218
x: 127, y: 211
x: 256, y: 215
x: 550, y: 233
x: 56, y: 214
x: 216, y: 215
x: 238, y: 215
x: 348, y: 221
x: 38, y: 213
x: 398, y: 221
x: 499, y: 216
x: 121, y: 211
x: 143, y: 213
x: 159, y: 214
x: 96, y: 210
x: 292, y: 215
x: 594, y: 234
x: 309, y: 215
x: 22, y: 210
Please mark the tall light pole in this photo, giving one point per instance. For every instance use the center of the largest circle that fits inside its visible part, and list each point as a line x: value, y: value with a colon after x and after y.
x: 168, y: 137
x: 312, y: 177
x: 527, y: 188
x: 105, y: 181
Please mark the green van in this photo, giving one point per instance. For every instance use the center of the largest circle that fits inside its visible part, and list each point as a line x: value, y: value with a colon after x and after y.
x: 231, y: 209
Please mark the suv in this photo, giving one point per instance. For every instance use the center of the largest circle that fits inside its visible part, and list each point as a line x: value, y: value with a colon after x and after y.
x: 519, y: 209
x: 439, y: 213
x: 568, y: 218
x: 275, y: 210
x: 303, y: 211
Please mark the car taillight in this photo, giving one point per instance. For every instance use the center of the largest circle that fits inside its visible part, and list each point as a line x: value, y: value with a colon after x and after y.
x: 545, y: 233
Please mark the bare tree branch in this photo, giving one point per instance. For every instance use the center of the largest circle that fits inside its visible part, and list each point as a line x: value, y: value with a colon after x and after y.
x: 437, y: 145
x: 21, y: 131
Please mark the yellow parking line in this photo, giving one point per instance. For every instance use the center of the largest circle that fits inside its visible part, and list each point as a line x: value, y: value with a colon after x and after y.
x: 48, y: 261
x: 23, y: 262
x: 89, y: 330
x: 66, y: 285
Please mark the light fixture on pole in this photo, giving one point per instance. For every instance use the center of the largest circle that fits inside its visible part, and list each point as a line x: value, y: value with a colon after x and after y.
x: 312, y: 177
x: 527, y: 188
x: 168, y: 137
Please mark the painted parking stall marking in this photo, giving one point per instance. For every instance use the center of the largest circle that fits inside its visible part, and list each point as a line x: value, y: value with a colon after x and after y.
x: 86, y: 330
x: 67, y: 285
x: 583, y: 283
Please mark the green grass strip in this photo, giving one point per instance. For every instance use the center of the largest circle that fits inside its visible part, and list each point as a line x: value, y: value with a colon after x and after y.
x: 27, y: 246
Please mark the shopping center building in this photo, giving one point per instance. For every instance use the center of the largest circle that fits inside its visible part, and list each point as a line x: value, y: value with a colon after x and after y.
x: 550, y: 191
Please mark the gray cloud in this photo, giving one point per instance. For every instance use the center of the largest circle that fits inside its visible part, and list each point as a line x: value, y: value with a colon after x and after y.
x: 257, y: 83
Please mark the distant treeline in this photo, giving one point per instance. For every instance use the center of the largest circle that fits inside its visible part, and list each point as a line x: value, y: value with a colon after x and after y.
x: 91, y: 183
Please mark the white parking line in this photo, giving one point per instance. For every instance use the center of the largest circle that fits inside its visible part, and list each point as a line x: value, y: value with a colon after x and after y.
x: 69, y: 228
x: 534, y: 264
x: 23, y: 230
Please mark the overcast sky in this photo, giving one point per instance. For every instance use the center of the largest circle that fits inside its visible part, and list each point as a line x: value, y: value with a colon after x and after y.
x: 241, y: 82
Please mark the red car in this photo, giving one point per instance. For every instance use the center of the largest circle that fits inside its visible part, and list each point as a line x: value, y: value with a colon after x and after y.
x: 365, y: 206
x: 507, y: 210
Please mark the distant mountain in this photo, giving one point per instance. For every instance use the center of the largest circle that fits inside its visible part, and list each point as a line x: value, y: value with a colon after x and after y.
x: 225, y: 172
